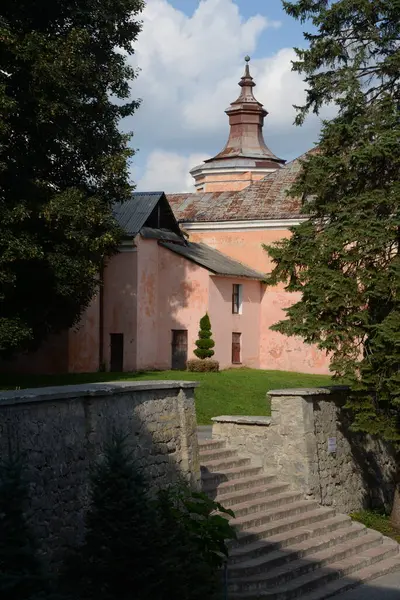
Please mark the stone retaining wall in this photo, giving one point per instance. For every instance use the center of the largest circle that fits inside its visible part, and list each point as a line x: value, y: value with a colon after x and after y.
x: 308, y: 443
x: 60, y: 431
x: 248, y: 435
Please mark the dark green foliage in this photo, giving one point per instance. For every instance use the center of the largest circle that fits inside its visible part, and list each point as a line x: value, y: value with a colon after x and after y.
x: 194, y: 546
x: 20, y: 570
x: 205, y: 343
x: 345, y: 258
x: 144, y: 546
x: 118, y: 555
x: 196, y: 512
x: 64, y: 87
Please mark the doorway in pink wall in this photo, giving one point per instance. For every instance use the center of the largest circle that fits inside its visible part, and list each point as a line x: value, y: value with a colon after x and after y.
x: 116, y: 352
x: 179, y: 349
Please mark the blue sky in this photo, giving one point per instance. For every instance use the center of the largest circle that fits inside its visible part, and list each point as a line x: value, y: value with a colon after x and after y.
x: 291, y: 32
x: 190, y: 55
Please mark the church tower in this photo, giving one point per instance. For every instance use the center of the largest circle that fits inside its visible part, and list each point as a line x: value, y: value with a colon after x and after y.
x: 246, y: 157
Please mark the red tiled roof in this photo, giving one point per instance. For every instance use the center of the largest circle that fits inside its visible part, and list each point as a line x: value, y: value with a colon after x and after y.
x: 262, y: 200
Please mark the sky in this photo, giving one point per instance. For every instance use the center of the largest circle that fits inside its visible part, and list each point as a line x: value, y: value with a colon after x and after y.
x: 190, y: 57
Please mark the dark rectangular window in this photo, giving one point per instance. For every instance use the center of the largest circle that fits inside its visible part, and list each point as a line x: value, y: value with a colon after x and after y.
x: 236, y: 348
x: 116, y: 352
x: 237, y: 299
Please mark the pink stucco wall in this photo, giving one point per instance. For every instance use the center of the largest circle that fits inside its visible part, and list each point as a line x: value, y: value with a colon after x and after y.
x: 147, y: 304
x: 174, y: 293
x: 83, y: 353
x: 276, y: 351
x: 284, y: 353
x: 182, y: 301
x: 245, y: 246
x: 224, y: 323
x: 120, y: 299
x: 51, y: 358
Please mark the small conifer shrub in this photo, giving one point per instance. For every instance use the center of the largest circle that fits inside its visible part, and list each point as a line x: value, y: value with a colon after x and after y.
x: 205, y: 343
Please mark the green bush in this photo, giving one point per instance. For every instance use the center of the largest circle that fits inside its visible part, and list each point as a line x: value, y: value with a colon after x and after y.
x: 116, y: 559
x: 21, y: 575
x: 146, y: 546
x: 197, y: 365
x: 205, y: 343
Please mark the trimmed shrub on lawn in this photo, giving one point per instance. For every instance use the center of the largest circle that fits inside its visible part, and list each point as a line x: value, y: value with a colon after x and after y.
x: 207, y: 365
x: 205, y: 343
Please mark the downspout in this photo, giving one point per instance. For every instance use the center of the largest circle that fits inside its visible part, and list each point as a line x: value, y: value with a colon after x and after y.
x: 101, y: 318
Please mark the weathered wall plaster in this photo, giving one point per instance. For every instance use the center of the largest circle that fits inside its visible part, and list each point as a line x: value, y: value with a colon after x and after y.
x: 276, y: 351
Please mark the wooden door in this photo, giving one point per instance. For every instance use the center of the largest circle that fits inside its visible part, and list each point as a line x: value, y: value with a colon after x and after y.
x: 236, y: 348
x: 179, y: 349
x: 116, y: 352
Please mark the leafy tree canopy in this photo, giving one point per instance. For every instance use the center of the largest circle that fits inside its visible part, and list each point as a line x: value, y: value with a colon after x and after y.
x: 344, y: 259
x: 64, y: 86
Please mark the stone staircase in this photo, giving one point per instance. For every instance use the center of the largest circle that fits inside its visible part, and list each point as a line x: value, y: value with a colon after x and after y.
x: 288, y: 546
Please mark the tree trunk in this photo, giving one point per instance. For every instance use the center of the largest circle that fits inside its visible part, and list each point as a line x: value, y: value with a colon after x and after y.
x: 395, y: 514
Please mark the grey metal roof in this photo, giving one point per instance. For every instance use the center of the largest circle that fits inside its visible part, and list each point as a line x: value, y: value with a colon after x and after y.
x: 213, y: 260
x: 150, y: 233
x: 132, y: 214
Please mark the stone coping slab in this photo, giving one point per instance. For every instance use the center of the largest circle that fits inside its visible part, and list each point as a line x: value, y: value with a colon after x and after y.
x: 333, y: 389
x: 61, y: 392
x: 243, y: 420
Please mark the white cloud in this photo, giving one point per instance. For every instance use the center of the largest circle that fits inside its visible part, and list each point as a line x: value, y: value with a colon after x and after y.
x: 190, y: 67
x: 169, y: 172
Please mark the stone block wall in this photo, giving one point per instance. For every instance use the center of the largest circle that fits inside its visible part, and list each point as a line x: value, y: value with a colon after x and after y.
x: 61, y: 431
x: 308, y: 443
x: 248, y: 435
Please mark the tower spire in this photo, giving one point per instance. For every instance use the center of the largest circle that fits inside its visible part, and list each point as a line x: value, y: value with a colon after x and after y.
x: 246, y: 120
x: 246, y: 157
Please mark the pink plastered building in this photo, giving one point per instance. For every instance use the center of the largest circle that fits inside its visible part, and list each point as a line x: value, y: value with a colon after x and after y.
x: 185, y: 255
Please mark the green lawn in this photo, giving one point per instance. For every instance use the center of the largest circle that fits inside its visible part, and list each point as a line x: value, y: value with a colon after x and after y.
x: 231, y: 392
x: 377, y: 521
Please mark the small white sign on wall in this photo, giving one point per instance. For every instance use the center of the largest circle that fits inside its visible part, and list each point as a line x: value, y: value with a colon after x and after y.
x: 331, y: 445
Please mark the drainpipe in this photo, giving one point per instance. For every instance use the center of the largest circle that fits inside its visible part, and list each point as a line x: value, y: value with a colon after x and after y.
x: 101, y: 318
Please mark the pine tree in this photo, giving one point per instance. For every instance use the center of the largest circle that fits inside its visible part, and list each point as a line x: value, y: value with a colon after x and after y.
x: 205, y: 343
x: 344, y: 259
x: 119, y: 556
x: 64, y: 87
x: 21, y: 574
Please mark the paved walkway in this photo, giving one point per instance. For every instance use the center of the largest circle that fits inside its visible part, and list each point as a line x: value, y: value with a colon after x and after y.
x: 204, y: 432
x: 384, y: 588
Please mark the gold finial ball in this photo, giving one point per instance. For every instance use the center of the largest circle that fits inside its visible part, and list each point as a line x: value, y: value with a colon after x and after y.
x: 247, y: 58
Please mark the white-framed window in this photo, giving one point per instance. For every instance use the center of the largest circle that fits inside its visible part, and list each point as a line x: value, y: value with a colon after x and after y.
x: 237, y: 298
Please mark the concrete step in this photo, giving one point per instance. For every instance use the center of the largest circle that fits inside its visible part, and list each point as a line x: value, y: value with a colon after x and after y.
x: 221, y: 465
x: 236, y: 485
x: 318, y: 579
x: 211, y: 444
x: 354, y: 579
x: 283, y: 524
x: 281, y: 575
x: 210, y: 479
x: 254, y: 566
x: 274, y: 514
x: 219, y: 453
x: 266, y: 503
x: 288, y: 538
x: 249, y: 494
